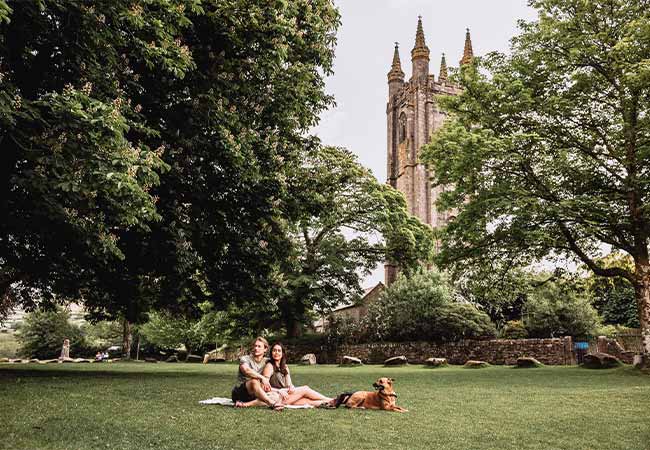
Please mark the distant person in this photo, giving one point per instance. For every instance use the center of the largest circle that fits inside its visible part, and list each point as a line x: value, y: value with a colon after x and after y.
x: 65, y: 350
x: 253, y: 388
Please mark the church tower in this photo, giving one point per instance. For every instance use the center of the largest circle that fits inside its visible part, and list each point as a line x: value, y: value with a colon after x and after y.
x: 413, y: 115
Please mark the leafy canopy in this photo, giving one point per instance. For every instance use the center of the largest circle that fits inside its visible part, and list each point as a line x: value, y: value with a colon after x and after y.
x: 547, y: 152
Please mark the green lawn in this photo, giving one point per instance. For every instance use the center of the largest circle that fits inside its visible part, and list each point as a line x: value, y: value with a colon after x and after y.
x: 139, y: 406
x: 8, y: 345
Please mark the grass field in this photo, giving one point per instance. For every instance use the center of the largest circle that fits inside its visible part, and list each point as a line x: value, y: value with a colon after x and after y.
x: 138, y: 406
x: 8, y: 345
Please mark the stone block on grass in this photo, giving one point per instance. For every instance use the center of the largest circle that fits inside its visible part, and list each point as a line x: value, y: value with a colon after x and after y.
x: 396, y: 361
x: 436, y: 362
x: 528, y: 362
x: 308, y: 360
x: 4, y: 360
x: 194, y: 359
x: 172, y: 359
x: 351, y: 361
x: 599, y: 360
x: 472, y: 364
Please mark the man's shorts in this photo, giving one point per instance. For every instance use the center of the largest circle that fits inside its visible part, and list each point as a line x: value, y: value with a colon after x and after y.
x: 240, y: 393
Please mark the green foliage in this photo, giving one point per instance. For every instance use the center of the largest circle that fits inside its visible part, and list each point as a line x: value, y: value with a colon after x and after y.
x: 341, y: 223
x: 496, y: 288
x: 102, y: 334
x: 545, y: 152
x: 146, y: 148
x: 514, y: 329
x: 614, y: 298
x: 557, y: 309
x: 43, y: 333
x: 423, y: 307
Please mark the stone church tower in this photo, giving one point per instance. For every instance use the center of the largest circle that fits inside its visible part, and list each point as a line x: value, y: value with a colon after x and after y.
x: 413, y: 115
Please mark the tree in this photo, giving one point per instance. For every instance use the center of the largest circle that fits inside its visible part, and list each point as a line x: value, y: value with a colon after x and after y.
x: 424, y: 307
x: 146, y: 147
x: 557, y: 309
x: 613, y: 297
x: 341, y: 222
x: 42, y: 334
x: 496, y: 288
x: 546, y: 150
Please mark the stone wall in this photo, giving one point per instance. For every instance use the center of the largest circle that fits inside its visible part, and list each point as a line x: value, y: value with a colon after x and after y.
x: 498, y: 351
x: 612, y: 347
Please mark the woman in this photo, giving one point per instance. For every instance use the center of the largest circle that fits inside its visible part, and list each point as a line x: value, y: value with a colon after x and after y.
x: 277, y: 372
x: 280, y: 378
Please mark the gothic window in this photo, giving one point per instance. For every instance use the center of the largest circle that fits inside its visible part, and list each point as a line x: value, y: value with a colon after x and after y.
x: 402, y: 127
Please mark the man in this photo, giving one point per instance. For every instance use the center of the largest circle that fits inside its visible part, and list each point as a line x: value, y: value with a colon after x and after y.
x: 253, y: 386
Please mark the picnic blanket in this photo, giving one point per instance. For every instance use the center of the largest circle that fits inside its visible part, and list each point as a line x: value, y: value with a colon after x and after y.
x: 228, y: 402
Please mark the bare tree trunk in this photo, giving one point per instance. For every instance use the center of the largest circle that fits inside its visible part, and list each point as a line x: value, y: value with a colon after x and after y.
x: 642, y: 288
x: 127, y: 338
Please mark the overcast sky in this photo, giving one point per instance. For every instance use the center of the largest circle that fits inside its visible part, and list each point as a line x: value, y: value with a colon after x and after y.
x: 365, y: 50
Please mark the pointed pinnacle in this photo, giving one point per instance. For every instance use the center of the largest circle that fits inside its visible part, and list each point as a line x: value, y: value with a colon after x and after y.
x: 396, y: 72
x: 468, y: 53
x: 420, y: 49
x: 443, y: 69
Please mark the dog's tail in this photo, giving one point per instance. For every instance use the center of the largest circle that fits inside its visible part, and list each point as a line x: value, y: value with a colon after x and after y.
x: 342, y: 399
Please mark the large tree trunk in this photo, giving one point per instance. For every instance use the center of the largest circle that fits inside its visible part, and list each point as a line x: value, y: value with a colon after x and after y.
x: 642, y: 288
x: 127, y: 338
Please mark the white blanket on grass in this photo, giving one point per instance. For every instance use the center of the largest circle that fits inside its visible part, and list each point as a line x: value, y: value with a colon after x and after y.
x: 228, y: 402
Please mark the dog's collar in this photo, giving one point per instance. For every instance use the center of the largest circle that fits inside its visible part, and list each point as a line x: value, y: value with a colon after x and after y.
x: 392, y: 394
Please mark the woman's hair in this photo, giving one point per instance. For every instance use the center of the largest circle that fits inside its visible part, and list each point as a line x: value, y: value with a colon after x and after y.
x: 283, y: 361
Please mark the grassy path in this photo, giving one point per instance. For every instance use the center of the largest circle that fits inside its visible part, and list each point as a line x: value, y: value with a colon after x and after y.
x: 138, y: 406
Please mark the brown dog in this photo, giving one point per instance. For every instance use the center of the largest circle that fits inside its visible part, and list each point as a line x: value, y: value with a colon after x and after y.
x: 383, y: 398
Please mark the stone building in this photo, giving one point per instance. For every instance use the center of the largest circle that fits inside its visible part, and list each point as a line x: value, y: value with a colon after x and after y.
x: 413, y: 115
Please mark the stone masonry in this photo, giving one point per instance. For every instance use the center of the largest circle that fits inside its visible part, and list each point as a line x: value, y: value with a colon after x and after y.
x: 412, y: 117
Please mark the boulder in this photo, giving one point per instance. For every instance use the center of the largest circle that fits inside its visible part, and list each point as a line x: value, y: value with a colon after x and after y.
x: 216, y: 355
x: 16, y: 361
x: 48, y: 361
x: 396, y: 361
x: 639, y: 361
x: 309, y: 359
x: 472, y: 364
x: 351, y: 361
x: 436, y: 362
x: 66, y: 360
x: 172, y: 359
x: 4, y: 360
x: 34, y: 360
x: 193, y: 359
x: 599, y: 360
x: 151, y: 360
x: 82, y: 360
x: 527, y: 362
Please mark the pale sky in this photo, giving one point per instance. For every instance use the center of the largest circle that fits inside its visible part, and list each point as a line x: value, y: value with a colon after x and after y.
x: 365, y: 50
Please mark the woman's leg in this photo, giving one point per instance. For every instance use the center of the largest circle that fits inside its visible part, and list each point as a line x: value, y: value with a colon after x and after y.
x: 303, y: 395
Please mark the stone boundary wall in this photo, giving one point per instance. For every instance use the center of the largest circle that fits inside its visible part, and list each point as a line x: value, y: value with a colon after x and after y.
x: 497, y: 351
x: 555, y: 351
x: 612, y: 347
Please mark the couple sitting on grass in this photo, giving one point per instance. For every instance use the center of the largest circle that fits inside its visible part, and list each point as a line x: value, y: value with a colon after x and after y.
x: 267, y: 382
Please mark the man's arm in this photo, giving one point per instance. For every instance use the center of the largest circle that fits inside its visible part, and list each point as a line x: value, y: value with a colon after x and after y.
x: 250, y: 373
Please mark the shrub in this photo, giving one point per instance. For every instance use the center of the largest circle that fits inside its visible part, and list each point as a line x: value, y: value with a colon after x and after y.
x: 514, y: 329
x: 42, y: 334
x: 556, y: 309
x: 423, y: 308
